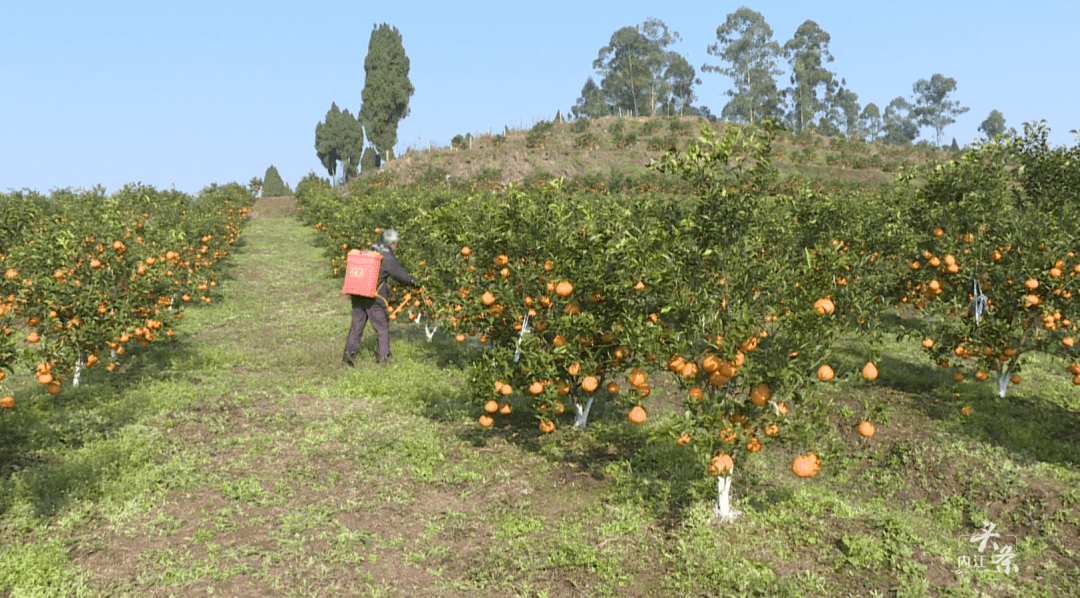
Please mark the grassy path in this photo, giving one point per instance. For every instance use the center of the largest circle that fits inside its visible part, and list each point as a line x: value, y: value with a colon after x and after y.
x: 244, y: 461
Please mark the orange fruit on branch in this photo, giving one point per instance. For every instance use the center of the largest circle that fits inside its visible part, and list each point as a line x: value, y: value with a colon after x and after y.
x: 7, y: 403
x: 547, y: 427
x: 689, y: 370
x: 589, y: 383
x: 564, y: 288
x: 870, y: 371
x: 506, y: 409
x: 824, y: 306
x: 760, y: 394
x: 720, y: 465
x: 637, y: 414
x: 486, y: 421
x: 806, y: 466
x: 491, y: 406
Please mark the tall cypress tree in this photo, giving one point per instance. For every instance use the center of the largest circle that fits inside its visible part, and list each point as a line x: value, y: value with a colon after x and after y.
x: 387, y: 89
x: 327, y: 141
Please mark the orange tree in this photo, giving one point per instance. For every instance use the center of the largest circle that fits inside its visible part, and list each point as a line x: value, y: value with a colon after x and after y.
x: 85, y: 272
x: 556, y: 285
x: 992, y: 257
x: 738, y: 289
x: 768, y: 283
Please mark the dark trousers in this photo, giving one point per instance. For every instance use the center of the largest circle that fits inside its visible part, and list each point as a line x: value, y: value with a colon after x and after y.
x: 365, y: 309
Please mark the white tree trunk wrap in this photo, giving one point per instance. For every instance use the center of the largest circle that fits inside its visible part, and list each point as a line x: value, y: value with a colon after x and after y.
x: 582, y: 418
x: 723, y: 511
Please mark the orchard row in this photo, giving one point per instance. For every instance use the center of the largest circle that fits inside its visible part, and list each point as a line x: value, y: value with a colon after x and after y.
x: 739, y: 293
x: 84, y: 274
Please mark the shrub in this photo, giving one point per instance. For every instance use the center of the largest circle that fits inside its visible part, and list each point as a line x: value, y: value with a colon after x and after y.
x: 311, y: 181
x: 488, y: 176
x: 650, y: 127
x: 580, y: 125
x: 433, y: 175
x: 538, y: 135
x: 664, y: 143
x: 586, y: 141
x: 461, y: 142
x: 619, y: 138
x: 678, y: 126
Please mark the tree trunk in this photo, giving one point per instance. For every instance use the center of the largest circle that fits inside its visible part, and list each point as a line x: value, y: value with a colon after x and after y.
x: 750, y: 98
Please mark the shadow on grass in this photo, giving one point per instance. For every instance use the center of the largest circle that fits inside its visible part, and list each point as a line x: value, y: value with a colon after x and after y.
x: 69, y: 424
x: 73, y: 423
x: 668, y: 479
x: 610, y: 450
x: 1033, y: 428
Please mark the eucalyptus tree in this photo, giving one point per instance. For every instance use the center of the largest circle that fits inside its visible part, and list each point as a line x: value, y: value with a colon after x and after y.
x: 745, y: 42
x: 899, y: 126
x: 994, y: 126
x: 841, y: 115
x: 870, y: 121
x: 638, y: 72
x: 591, y: 103
x: 932, y: 105
x: 807, y: 53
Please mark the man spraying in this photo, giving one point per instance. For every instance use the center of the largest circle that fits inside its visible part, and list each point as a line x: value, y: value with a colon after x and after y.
x: 376, y: 309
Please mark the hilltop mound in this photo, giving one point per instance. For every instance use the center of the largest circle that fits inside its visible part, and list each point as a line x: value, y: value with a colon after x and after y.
x: 612, y: 147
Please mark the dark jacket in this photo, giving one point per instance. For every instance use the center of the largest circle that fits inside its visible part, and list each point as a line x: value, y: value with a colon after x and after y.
x: 391, y: 267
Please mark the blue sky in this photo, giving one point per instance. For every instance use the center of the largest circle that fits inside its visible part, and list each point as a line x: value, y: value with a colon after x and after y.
x: 185, y: 94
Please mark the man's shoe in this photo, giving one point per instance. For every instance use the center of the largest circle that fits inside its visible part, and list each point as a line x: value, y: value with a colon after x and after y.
x: 346, y: 361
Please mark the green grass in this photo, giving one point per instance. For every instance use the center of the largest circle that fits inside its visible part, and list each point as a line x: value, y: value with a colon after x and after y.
x: 242, y: 460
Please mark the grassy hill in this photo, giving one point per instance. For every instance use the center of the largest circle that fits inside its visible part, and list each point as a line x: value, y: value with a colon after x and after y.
x: 619, y: 149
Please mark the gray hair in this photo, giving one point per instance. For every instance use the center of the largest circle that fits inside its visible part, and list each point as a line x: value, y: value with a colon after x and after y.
x: 389, y: 236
